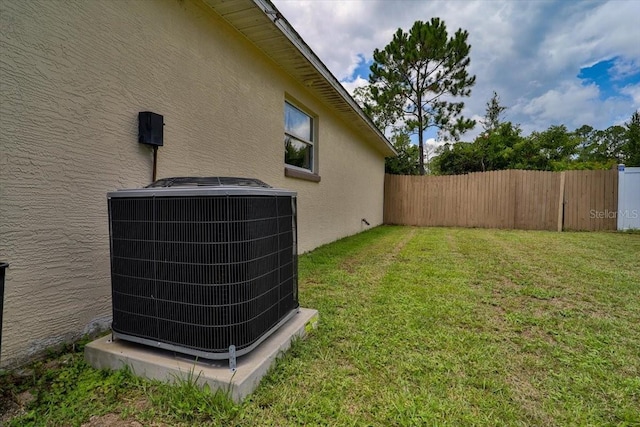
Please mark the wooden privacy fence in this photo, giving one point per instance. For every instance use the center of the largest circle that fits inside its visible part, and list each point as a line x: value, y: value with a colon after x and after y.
x: 515, y: 199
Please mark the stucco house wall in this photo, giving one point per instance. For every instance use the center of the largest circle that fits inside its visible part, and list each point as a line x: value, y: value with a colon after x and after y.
x: 74, y: 76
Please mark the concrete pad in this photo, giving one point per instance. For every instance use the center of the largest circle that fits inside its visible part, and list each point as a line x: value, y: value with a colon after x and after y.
x: 148, y: 362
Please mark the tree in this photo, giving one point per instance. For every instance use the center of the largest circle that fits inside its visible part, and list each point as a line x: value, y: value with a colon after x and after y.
x: 599, y: 149
x: 632, y: 140
x: 557, y: 146
x: 382, y: 117
x: 504, y: 148
x: 556, y: 149
x: 491, y: 123
x: 612, y: 143
x: 415, y: 78
x: 492, y: 117
x: 456, y: 159
x: 406, y: 162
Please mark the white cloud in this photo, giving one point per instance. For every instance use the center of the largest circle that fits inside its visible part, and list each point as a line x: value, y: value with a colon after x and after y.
x: 352, y: 85
x: 574, y: 105
x: 633, y: 91
x: 433, y: 143
x: 566, y: 103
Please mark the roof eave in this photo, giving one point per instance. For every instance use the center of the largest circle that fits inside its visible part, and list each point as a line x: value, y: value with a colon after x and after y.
x: 327, y: 86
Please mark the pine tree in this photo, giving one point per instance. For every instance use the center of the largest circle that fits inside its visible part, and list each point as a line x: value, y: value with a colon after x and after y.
x: 417, y: 76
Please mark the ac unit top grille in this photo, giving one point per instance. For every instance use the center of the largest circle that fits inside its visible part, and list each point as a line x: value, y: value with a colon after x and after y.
x: 208, y: 181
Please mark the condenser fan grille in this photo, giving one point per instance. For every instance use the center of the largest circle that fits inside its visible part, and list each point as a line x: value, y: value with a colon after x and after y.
x: 209, y: 181
x: 201, y: 273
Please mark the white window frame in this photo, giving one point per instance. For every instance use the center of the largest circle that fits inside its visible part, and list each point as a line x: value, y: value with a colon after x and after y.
x: 312, y: 143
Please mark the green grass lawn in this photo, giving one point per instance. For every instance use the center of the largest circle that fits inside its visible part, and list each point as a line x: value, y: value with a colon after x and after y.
x: 420, y: 326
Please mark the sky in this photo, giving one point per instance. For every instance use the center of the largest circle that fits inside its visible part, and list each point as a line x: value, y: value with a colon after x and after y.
x: 551, y: 62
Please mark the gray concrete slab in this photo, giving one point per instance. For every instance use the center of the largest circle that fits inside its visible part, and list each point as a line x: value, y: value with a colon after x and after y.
x: 151, y: 363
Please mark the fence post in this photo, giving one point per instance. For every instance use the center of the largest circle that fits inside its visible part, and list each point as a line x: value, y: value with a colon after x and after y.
x: 561, y: 203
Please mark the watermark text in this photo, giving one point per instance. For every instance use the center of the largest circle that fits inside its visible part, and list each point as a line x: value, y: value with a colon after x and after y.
x: 607, y: 214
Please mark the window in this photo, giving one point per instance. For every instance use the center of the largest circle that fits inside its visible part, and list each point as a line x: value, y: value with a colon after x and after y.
x: 299, y: 138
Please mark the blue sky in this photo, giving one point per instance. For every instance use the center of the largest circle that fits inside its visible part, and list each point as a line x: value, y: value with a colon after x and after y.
x: 610, y: 82
x: 551, y: 62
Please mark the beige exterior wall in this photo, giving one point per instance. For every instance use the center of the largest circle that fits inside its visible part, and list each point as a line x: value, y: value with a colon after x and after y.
x: 73, y: 78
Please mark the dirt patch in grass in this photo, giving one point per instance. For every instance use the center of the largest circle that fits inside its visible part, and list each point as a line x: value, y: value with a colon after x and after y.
x: 529, y: 398
x: 115, y: 419
x: 13, y: 399
x: 538, y: 334
x: 9, y: 410
x: 349, y: 265
x: 111, y: 420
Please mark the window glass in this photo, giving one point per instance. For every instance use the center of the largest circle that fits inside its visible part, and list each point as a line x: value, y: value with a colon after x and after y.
x: 298, y: 153
x: 298, y: 137
x: 298, y: 123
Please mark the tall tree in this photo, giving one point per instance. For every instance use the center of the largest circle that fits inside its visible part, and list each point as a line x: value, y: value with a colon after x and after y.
x: 417, y: 76
x: 491, y: 123
x: 493, y: 114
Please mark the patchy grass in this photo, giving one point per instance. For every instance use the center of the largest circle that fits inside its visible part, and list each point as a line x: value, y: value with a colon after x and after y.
x: 418, y: 327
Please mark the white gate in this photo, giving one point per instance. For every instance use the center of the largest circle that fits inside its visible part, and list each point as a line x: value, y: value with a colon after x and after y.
x: 628, y: 198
